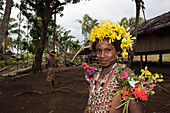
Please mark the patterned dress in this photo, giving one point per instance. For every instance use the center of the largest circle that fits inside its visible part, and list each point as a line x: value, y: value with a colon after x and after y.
x: 102, y: 98
x: 52, y: 64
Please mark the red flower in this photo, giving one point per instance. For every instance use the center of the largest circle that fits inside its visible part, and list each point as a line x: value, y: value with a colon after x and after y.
x: 140, y: 93
x: 125, y: 93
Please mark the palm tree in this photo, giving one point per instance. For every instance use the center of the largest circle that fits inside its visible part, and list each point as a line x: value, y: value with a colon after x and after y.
x: 59, y: 31
x: 76, y: 46
x: 129, y: 22
x: 8, y: 41
x: 64, y: 41
x: 85, y: 27
x: 7, y: 44
x: 87, y: 24
x: 94, y: 22
x: 139, y: 4
x: 5, y: 20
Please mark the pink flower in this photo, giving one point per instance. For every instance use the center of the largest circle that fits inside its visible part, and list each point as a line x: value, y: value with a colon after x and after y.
x: 88, y: 71
x: 154, y: 85
x: 92, y: 72
x: 124, y: 75
x: 150, y: 93
x: 84, y: 65
x: 95, y: 68
x: 143, y: 79
x: 90, y: 67
x: 87, y: 67
x: 144, y: 88
x: 88, y: 78
x: 151, y: 87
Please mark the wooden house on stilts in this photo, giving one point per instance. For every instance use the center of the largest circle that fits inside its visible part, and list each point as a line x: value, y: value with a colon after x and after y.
x: 153, y: 37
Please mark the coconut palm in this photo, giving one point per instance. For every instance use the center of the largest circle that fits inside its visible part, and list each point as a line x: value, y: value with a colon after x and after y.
x: 87, y: 24
x: 8, y: 42
x: 76, y: 46
x: 85, y: 27
x: 129, y: 22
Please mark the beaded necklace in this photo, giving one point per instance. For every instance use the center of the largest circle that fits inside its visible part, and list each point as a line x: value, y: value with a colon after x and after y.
x: 103, y: 75
x: 103, y: 80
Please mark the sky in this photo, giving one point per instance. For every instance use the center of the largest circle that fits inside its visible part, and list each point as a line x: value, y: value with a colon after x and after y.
x: 113, y: 10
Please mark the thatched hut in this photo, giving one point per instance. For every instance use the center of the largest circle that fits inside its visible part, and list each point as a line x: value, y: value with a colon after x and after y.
x: 9, y: 54
x: 86, y: 50
x: 91, y: 55
x: 153, y: 36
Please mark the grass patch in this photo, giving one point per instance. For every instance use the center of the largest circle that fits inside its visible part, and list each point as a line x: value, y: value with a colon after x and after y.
x: 165, y: 57
x: 7, y: 73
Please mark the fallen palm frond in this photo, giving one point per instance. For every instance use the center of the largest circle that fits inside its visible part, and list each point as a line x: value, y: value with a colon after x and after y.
x: 28, y: 92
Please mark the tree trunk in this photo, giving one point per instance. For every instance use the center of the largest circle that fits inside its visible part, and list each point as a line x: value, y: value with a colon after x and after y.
x: 136, y: 31
x: 54, y: 29
x: 5, y: 55
x: 46, y: 16
x: 38, y: 56
x: 5, y: 20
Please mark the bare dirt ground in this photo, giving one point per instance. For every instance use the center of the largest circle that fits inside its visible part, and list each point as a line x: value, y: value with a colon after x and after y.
x: 31, y: 93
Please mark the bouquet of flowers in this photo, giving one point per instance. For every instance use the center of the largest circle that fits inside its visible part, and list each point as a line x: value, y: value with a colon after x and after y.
x: 89, y: 71
x: 137, y: 87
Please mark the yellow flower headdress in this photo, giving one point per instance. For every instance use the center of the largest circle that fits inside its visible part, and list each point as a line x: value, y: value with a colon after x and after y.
x: 52, y: 52
x: 113, y: 32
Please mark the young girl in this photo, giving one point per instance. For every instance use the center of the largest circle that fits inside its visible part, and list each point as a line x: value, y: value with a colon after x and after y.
x: 108, y: 42
x: 52, y: 64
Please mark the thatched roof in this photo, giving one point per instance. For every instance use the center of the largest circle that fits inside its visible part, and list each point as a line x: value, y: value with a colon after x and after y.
x: 9, y: 53
x: 86, y: 50
x: 153, y: 24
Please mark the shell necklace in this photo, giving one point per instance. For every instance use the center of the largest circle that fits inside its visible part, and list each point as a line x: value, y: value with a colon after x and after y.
x: 103, y: 80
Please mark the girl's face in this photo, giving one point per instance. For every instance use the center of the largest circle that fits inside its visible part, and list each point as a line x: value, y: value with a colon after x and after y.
x: 106, y: 53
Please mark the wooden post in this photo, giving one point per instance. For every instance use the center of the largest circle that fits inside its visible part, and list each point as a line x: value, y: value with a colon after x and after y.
x: 160, y: 58
x: 146, y: 59
x: 141, y: 61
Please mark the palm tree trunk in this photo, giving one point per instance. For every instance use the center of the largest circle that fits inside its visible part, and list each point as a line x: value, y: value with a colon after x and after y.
x: 77, y: 53
x: 135, y: 32
x: 5, y: 56
x: 5, y: 20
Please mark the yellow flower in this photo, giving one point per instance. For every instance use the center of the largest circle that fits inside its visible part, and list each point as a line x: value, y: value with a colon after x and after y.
x: 113, y: 32
x: 124, y: 54
x: 128, y: 29
x: 145, y: 72
x: 118, y: 37
x: 155, y: 76
x: 160, y: 80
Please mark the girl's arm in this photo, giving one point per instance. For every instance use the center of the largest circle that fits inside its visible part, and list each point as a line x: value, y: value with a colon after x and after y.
x: 134, y: 107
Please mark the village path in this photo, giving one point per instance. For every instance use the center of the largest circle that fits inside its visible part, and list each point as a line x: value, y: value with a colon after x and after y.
x: 30, y: 94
